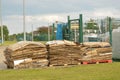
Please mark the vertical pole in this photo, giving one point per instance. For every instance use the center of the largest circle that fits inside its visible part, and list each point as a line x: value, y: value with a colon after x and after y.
x: 69, y: 26
x: 53, y: 29
x: 48, y: 32
x: 32, y: 33
x: 1, y: 22
x: 75, y: 35
x: 110, y: 30
x: 102, y: 29
x: 80, y: 29
x: 24, y: 29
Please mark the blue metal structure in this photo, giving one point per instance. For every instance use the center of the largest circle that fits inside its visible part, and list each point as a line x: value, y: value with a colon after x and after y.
x: 59, y: 33
x: 64, y: 30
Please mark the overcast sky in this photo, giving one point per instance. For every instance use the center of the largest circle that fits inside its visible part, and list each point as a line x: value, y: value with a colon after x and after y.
x: 45, y: 12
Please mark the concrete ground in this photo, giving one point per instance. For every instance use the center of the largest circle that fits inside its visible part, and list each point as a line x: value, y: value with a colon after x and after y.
x: 2, y: 58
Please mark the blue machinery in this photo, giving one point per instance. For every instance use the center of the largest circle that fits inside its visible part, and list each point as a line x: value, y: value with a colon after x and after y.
x: 59, y: 33
x: 64, y: 30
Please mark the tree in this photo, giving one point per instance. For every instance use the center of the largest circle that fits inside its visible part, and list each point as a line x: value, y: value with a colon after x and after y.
x: 5, y: 32
x: 12, y: 37
x: 42, y: 33
x: 91, y: 24
x: 44, y: 30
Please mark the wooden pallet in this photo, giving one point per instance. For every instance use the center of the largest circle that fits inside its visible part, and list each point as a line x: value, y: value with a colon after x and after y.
x: 64, y: 64
x: 85, y: 63
x: 96, y: 61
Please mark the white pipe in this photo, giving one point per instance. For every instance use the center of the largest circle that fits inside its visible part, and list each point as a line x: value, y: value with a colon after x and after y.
x: 1, y: 21
x: 24, y: 29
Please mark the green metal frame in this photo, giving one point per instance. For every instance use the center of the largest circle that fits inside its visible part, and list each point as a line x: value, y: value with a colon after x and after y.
x: 69, y: 27
x: 53, y: 29
x: 110, y: 29
x: 80, y: 27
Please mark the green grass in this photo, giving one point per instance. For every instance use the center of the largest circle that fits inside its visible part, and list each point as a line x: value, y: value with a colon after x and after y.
x: 83, y: 72
x: 6, y: 43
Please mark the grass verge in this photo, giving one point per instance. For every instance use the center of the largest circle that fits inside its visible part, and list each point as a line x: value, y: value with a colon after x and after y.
x: 106, y: 71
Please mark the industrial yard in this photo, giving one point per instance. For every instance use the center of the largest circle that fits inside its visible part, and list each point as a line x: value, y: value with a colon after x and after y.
x: 59, y: 40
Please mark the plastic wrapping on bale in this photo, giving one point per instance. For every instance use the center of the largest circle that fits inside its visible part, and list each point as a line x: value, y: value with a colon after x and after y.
x: 116, y: 44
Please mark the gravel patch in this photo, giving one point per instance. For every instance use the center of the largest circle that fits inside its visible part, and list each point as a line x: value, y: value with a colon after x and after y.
x: 2, y: 58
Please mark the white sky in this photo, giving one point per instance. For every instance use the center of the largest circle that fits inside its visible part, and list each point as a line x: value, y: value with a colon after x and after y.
x: 44, y: 12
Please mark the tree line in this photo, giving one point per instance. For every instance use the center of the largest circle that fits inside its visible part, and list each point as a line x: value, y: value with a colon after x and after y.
x: 41, y: 34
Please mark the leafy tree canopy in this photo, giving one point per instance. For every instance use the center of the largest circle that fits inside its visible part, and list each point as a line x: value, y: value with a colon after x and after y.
x: 91, y: 24
x: 5, y: 32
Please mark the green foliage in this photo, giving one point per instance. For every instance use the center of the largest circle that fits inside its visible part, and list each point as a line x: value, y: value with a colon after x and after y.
x: 20, y: 36
x: 5, y: 32
x: 12, y: 37
x: 44, y: 30
x: 82, y: 72
x: 41, y: 34
x: 91, y: 25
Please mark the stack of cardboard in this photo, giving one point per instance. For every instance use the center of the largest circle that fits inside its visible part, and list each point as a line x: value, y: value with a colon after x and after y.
x: 66, y: 52
x: 26, y: 54
x: 63, y: 52
x: 96, y: 51
x: 33, y: 54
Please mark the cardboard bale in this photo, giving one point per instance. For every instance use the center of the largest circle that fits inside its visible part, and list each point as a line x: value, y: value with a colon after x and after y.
x: 24, y: 50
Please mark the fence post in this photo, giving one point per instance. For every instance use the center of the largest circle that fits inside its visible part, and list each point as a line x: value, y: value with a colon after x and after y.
x: 69, y: 26
x: 53, y: 29
x: 81, y: 29
x: 110, y: 29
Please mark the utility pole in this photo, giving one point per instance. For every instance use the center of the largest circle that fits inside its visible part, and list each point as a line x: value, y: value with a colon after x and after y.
x: 24, y: 29
x: 1, y: 21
